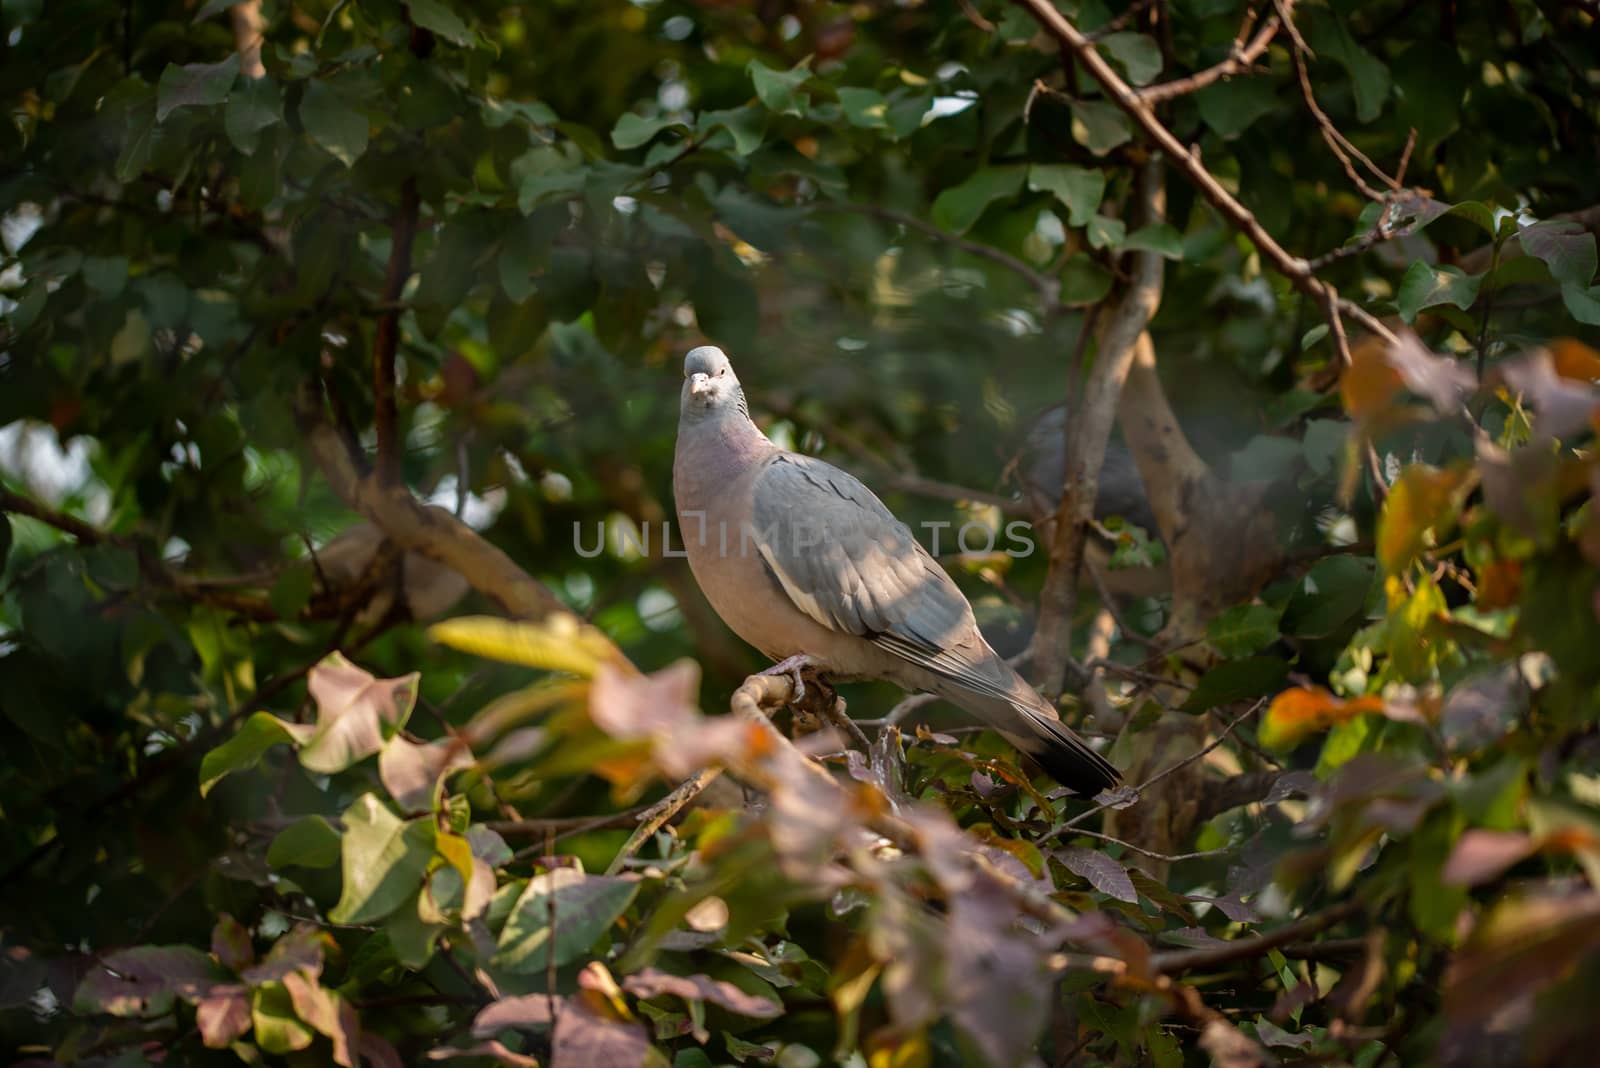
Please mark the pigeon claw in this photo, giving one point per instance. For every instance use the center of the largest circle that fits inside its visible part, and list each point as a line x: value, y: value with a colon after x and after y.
x: 795, y: 667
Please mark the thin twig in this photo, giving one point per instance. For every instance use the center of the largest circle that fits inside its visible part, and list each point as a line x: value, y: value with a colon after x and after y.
x: 1141, y: 850
x: 1157, y: 777
x: 1185, y: 960
x: 1292, y: 267
x: 1241, y: 57
x: 656, y: 816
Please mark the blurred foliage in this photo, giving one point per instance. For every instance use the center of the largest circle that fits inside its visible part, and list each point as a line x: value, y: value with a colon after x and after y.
x: 225, y: 841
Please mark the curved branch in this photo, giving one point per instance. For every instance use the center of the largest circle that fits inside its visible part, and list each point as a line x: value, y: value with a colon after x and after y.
x: 415, y: 527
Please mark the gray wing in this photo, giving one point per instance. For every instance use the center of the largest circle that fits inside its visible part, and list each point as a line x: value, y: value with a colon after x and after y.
x: 844, y: 560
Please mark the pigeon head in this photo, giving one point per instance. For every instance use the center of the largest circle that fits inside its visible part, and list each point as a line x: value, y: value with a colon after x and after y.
x: 709, y: 384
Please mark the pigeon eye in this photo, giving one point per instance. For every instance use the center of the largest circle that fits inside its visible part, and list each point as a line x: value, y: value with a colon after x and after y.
x: 721, y: 371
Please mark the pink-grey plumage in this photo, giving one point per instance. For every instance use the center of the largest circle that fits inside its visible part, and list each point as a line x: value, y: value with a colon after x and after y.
x: 800, y: 558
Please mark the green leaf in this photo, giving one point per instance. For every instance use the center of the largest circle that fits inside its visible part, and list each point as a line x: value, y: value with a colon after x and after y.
x: 244, y: 750
x: 138, y: 136
x: 1162, y: 238
x: 1430, y: 81
x: 292, y: 592
x: 585, y: 908
x: 1475, y: 212
x: 105, y: 275
x: 450, y: 273
x: 747, y: 125
x: 1582, y: 304
x: 1243, y: 629
x: 1230, y: 107
x: 1137, y: 54
x: 257, y: 105
x: 310, y: 842
x: 1083, y: 281
x: 194, y: 85
x: 384, y: 860
x: 442, y: 20
x: 1330, y: 596
x: 1080, y: 189
x: 632, y: 130
x: 277, y: 1029
x: 1237, y: 680
x: 497, y: 113
x: 958, y: 207
x: 1105, y: 233
x: 333, y: 123
x: 1099, y: 125
x: 1565, y: 247
x: 866, y: 108
x: 1331, y: 39
x: 777, y: 88
x: 1425, y: 285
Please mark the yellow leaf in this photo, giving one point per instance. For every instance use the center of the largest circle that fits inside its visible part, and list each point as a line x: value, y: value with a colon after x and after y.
x: 1422, y: 499
x: 557, y: 643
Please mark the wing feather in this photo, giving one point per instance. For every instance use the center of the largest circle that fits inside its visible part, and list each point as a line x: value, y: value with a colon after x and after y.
x: 844, y: 560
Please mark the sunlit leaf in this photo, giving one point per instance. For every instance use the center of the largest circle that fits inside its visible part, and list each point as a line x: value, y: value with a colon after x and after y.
x: 383, y: 860
x: 559, y: 643
x: 1304, y: 710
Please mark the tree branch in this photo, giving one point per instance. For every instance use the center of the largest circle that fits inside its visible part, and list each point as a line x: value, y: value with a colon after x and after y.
x: 1089, y: 430
x: 1241, y: 57
x: 386, y: 340
x: 416, y: 527
x: 1292, y: 267
x: 1186, y: 960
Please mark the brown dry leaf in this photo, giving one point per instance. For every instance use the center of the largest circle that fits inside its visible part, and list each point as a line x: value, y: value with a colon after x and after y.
x: 1296, y: 713
x: 654, y: 983
x: 1563, y: 406
x: 357, y: 713
x: 1439, y: 380
x: 1522, y: 945
x: 1482, y: 856
x: 223, y: 1015
x: 629, y: 706
x: 1499, y: 584
x: 411, y: 772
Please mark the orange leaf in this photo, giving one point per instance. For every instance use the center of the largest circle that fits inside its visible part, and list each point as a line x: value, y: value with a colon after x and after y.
x: 1574, y: 359
x: 1370, y: 382
x: 1499, y: 584
x: 1299, y: 712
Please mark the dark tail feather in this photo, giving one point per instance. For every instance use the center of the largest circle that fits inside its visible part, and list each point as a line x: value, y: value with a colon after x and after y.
x: 1066, y: 758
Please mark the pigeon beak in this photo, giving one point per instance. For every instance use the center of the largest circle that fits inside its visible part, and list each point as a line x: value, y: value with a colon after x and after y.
x: 699, y: 384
